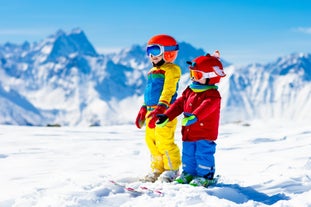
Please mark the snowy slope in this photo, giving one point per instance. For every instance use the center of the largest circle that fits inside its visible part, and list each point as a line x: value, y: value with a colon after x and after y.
x: 260, y: 163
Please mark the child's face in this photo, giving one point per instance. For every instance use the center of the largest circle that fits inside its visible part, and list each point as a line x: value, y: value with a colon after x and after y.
x: 202, y: 81
x: 155, y: 59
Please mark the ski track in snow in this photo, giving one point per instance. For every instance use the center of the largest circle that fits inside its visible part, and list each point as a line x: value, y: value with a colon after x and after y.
x: 264, y: 164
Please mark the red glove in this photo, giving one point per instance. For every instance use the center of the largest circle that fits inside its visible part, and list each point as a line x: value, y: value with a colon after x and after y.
x: 141, y: 117
x: 153, y: 115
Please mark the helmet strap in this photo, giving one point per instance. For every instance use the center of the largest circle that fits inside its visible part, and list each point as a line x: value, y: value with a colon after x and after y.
x: 207, y: 81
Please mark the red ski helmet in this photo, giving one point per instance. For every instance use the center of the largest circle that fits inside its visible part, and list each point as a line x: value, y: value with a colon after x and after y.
x: 210, y: 65
x: 165, y: 40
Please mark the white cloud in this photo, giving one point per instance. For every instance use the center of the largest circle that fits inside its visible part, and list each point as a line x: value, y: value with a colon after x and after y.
x: 306, y: 30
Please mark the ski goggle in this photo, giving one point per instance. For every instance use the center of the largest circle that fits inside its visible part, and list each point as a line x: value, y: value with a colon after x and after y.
x: 199, y: 75
x: 158, y: 50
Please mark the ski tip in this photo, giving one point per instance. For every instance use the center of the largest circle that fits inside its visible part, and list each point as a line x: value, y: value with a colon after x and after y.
x: 134, y: 191
x: 159, y: 192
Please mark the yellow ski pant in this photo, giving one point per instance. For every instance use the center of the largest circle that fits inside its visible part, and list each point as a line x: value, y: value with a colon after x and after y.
x: 165, y: 154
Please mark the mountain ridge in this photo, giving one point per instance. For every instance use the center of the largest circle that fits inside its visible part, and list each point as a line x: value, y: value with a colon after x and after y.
x: 69, y: 83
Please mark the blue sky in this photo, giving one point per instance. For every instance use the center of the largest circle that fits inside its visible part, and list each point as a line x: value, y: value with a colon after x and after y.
x: 245, y: 31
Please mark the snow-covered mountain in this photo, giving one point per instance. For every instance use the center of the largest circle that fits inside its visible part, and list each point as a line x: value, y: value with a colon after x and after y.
x: 63, y: 80
x: 13, y: 105
x: 279, y: 90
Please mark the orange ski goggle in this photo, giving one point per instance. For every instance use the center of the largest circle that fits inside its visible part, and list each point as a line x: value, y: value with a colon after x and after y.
x: 199, y: 75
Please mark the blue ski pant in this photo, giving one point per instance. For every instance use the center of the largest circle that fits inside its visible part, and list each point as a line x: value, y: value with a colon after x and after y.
x: 198, y: 157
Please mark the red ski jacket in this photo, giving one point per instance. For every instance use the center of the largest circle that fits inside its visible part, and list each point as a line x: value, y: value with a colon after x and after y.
x: 205, y: 106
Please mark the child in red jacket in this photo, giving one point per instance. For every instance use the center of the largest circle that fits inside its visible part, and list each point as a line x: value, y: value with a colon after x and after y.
x: 200, y: 104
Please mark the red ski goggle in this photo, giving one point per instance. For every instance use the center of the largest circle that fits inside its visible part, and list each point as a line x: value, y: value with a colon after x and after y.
x: 158, y: 50
x: 199, y: 75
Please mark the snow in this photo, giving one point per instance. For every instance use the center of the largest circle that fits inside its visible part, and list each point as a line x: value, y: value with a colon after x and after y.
x: 260, y: 163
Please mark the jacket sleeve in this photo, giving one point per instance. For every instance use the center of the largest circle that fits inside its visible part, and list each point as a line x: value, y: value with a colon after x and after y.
x: 172, y: 76
x: 207, y: 107
x: 177, y: 107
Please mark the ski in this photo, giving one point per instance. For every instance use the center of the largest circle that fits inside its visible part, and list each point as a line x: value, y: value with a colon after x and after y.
x: 142, y: 188
x: 153, y: 191
x: 138, y: 190
x: 125, y: 187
